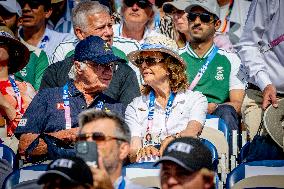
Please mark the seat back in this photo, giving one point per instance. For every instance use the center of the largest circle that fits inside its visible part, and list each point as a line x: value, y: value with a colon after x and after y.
x: 24, y: 174
x: 243, y: 152
x: 213, y: 151
x: 8, y: 154
x: 256, y: 170
x: 144, y: 174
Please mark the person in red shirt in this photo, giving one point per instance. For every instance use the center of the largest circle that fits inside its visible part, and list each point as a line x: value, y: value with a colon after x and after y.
x: 15, y: 96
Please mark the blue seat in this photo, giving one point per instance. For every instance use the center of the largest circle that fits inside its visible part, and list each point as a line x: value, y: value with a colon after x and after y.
x: 24, y: 174
x: 266, y: 173
x: 8, y: 154
x: 243, y: 152
x: 213, y: 151
x: 222, y: 126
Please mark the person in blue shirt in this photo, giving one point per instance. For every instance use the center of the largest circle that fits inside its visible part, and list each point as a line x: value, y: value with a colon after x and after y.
x: 53, y: 112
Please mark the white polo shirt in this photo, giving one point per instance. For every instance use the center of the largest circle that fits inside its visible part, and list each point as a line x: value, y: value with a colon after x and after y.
x: 187, y: 106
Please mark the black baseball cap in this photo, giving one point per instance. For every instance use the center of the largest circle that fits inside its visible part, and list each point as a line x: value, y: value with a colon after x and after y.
x: 189, y: 153
x: 74, y: 170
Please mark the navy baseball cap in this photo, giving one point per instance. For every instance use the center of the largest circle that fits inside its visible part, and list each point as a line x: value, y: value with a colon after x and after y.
x: 189, y: 153
x: 74, y: 170
x: 95, y: 49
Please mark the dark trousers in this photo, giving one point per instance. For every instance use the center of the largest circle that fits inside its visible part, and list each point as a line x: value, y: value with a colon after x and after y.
x: 229, y: 115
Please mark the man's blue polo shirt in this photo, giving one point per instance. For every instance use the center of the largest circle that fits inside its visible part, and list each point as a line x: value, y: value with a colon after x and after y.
x: 46, y: 112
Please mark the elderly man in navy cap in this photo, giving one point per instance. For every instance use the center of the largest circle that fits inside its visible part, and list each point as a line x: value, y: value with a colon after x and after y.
x: 49, y: 127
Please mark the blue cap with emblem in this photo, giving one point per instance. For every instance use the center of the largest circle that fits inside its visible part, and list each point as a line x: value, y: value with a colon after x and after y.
x: 96, y: 50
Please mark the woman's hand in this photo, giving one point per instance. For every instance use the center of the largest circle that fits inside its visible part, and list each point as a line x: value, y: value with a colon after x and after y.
x: 165, y: 143
x: 147, y: 152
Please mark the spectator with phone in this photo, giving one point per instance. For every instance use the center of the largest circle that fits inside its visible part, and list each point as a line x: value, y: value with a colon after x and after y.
x: 49, y: 127
x: 112, y: 136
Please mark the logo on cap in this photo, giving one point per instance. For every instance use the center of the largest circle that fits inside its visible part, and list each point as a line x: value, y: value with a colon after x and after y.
x: 180, y: 147
x: 66, y: 163
x: 106, y: 47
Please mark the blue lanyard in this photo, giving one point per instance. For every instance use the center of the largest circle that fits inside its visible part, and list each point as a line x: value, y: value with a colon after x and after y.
x: 203, y: 68
x: 17, y: 92
x: 67, y: 110
x: 44, y: 42
x: 152, y: 108
x: 122, y: 184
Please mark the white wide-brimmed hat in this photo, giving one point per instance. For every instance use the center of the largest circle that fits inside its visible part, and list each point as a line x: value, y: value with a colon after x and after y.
x: 159, y: 43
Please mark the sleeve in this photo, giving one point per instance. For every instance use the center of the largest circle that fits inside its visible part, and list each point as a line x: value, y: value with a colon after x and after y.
x: 235, y: 81
x: 248, y: 48
x: 42, y: 64
x: 34, y: 119
x: 131, y: 119
x: 197, y: 106
x: 130, y: 88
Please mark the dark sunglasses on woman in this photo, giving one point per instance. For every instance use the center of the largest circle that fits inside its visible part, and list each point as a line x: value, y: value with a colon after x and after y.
x: 143, y: 4
x: 204, y: 17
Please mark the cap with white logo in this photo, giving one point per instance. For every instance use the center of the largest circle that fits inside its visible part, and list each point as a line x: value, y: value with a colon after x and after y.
x: 190, y: 153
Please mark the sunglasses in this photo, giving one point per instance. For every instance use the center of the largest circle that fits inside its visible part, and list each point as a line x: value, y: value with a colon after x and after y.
x: 148, y: 60
x: 98, y: 137
x: 143, y: 4
x: 204, y: 17
x: 32, y: 4
x: 101, y: 67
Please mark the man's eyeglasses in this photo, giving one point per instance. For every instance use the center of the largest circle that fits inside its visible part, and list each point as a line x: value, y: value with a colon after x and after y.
x: 32, y: 4
x: 143, y: 4
x: 148, y: 60
x: 102, y: 67
x: 204, y: 17
x: 98, y: 137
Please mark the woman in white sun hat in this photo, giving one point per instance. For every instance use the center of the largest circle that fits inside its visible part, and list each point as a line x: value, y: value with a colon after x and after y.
x: 166, y: 109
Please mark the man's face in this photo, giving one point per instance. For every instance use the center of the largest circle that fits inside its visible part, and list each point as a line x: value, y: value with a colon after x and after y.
x: 8, y: 19
x: 174, y: 176
x: 96, y: 77
x: 135, y: 14
x: 108, y: 149
x: 34, y: 15
x: 201, y: 31
x: 99, y: 24
x: 180, y: 20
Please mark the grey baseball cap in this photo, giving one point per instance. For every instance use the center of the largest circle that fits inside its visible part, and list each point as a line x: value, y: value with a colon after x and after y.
x: 211, y: 6
x: 177, y: 4
x: 12, y: 6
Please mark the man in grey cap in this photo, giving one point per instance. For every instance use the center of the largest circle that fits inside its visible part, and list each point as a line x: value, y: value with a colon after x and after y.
x: 186, y: 163
x: 211, y: 70
x: 10, y: 11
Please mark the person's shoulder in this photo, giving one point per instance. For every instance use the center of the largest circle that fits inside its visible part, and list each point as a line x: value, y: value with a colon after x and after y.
x: 189, y: 94
x: 63, y: 64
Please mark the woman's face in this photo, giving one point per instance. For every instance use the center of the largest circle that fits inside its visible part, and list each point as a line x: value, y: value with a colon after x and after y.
x: 4, y: 56
x: 153, y: 68
x: 180, y: 21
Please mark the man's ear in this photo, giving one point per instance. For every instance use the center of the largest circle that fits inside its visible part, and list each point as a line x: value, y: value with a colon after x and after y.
x: 124, y: 150
x: 78, y: 68
x: 208, y: 178
x: 48, y: 13
x: 217, y: 25
x: 79, y: 33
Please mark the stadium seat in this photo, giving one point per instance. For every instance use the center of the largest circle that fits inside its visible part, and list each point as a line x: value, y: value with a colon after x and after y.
x: 7, y: 154
x: 243, y: 152
x: 24, y: 175
x: 214, y: 153
x: 257, y: 174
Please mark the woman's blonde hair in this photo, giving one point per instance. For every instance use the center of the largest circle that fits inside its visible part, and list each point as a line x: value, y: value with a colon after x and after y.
x: 177, y: 76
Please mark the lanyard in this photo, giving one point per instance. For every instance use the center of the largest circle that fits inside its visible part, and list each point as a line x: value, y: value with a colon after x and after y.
x: 227, y: 17
x: 44, y: 42
x: 203, y: 68
x: 17, y: 93
x: 122, y: 184
x: 67, y: 111
x: 152, y: 108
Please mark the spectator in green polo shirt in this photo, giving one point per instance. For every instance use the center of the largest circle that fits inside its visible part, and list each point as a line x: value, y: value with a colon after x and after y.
x: 217, y: 69
x: 10, y: 11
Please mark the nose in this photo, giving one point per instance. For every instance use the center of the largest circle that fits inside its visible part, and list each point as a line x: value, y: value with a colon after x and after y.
x: 135, y: 6
x: 172, y: 181
x: 2, y: 21
x: 26, y: 7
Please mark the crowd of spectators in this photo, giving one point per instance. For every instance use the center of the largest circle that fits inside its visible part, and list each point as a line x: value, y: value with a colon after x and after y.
x: 138, y: 77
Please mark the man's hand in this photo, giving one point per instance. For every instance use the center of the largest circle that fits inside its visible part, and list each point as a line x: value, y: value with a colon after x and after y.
x: 147, y: 152
x: 100, y: 176
x: 211, y: 107
x: 165, y: 143
x: 269, y: 96
x: 67, y: 134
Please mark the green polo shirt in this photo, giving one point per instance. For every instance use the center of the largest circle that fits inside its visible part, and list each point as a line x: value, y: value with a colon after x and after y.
x: 220, y: 76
